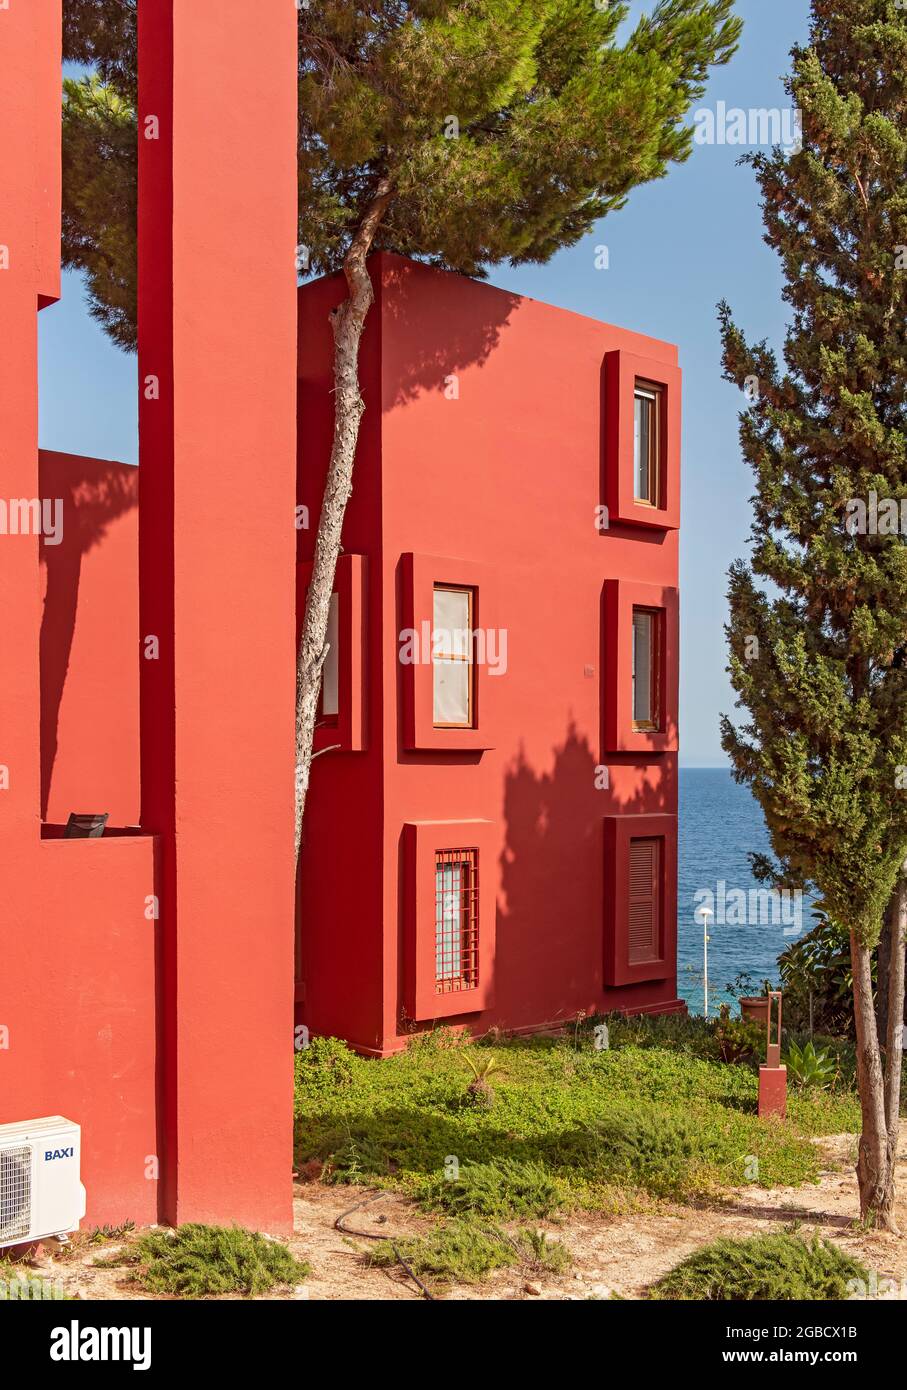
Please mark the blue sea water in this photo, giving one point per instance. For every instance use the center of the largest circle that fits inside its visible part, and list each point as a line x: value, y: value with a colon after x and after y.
x: 720, y: 825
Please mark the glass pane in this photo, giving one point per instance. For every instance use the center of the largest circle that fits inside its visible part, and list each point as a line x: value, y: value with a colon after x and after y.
x: 643, y: 628
x: 451, y: 623
x: 330, y: 678
x: 642, y: 444
x: 448, y: 921
x: 451, y: 692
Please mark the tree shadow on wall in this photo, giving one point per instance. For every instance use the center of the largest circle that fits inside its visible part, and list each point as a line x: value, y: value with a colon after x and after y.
x: 443, y: 333
x: 94, y: 493
x: 552, y: 864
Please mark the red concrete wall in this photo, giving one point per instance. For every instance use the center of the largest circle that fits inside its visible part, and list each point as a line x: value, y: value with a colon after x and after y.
x: 146, y: 988
x: 90, y: 641
x: 217, y: 333
x: 78, y: 978
x: 506, y: 476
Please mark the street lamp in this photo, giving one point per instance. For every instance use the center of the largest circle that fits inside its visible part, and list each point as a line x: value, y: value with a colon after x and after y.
x: 704, y: 913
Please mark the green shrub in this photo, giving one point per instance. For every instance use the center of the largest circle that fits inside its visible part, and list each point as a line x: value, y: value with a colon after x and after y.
x: 738, y: 1039
x: 457, y: 1253
x: 324, y: 1067
x: 194, y: 1261
x: 464, y: 1252
x: 502, y: 1189
x: 818, y: 982
x: 778, y: 1266
x: 651, y: 1150
x: 807, y: 1067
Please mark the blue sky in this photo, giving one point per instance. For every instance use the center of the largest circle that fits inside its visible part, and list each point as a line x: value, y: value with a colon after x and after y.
x: 679, y: 246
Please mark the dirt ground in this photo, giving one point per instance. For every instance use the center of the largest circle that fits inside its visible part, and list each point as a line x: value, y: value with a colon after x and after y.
x: 621, y: 1255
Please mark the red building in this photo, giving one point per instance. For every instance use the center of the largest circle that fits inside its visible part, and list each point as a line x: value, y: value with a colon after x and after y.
x: 491, y: 830
x: 492, y: 837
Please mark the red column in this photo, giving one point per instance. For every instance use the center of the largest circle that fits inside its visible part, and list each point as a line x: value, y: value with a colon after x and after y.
x: 30, y: 43
x: 217, y: 322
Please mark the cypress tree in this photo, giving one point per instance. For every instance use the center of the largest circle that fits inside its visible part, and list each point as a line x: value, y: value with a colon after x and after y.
x: 818, y: 619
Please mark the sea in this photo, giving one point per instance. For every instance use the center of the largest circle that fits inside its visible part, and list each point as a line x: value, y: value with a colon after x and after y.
x: 721, y: 824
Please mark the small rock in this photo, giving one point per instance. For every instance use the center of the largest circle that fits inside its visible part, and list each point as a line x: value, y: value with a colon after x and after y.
x: 534, y: 1289
x: 301, y: 1291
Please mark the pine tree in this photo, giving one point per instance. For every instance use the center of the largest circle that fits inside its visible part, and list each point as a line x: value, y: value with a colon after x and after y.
x: 461, y: 132
x: 818, y: 620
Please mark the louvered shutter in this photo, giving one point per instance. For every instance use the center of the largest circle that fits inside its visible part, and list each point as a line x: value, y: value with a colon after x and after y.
x: 644, y: 906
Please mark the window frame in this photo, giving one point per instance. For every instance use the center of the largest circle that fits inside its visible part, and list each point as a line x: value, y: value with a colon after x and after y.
x: 654, y: 897
x: 422, y: 841
x: 419, y: 574
x: 619, y: 832
x: 347, y: 730
x: 656, y: 616
x: 623, y: 372
x: 652, y: 392
x: 468, y: 928
x: 470, y: 592
x: 332, y: 659
x: 618, y: 731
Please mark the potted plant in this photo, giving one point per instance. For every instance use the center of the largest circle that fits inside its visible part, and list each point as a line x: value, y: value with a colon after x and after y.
x: 752, y: 1006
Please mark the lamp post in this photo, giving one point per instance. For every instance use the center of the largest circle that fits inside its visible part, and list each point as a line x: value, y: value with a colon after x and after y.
x: 704, y: 913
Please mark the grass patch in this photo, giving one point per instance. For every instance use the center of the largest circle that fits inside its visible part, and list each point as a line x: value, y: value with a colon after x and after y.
x: 500, y: 1190
x: 656, y: 1115
x: 463, y: 1252
x: 780, y: 1266
x: 196, y: 1261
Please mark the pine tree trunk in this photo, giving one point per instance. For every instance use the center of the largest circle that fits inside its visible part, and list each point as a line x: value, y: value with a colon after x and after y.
x: 875, y: 1173
x: 894, y: 1049
x: 883, y: 965
x: 347, y: 322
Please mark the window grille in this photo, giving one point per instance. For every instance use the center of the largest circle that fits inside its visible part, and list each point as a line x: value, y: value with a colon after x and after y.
x: 456, y: 920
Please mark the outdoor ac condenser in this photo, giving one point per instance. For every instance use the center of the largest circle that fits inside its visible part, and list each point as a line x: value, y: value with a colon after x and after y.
x: 40, y: 1191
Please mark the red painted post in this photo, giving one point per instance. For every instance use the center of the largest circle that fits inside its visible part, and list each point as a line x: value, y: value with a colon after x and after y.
x: 217, y: 327
x: 773, y: 1076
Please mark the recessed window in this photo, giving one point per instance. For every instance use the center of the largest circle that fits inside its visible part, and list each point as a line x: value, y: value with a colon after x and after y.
x: 330, y: 673
x: 645, y: 669
x: 647, y: 444
x: 453, y: 702
x: 645, y: 901
x: 456, y: 920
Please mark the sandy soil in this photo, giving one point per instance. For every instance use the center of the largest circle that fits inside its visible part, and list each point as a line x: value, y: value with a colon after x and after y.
x: 622, y: 1255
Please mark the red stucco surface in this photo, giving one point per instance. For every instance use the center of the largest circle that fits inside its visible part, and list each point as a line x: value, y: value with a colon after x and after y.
x: 164, y: 1029
x: 484, y: 441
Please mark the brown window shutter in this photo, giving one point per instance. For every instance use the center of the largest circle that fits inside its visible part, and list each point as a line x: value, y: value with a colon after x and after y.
x: 645, y: 901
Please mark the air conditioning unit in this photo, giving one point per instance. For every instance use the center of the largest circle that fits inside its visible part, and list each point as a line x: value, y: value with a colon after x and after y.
x: 40, y: 1191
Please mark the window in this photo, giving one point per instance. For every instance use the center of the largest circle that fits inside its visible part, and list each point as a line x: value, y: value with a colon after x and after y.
x: 330, y: 675
x: 644, y: 901
x: 646, y: 444
x: 453, y: 673
x: 645, y: 669
x: 456, y: 920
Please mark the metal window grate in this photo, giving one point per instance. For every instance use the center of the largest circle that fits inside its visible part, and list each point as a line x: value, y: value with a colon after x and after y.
x: 456, y: 920
x: 15, y: 1193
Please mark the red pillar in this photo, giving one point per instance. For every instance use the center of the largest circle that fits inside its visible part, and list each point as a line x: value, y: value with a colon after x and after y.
x: 30, y: 45
x: 217, y: 326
